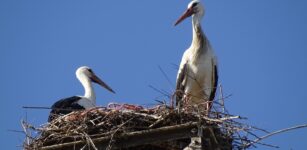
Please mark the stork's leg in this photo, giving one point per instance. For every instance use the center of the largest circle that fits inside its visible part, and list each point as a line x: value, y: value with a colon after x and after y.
x: 208, y: 107
x: 186, y: 102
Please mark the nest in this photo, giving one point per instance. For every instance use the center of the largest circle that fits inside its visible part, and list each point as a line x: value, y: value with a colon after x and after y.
x: 123, y: 126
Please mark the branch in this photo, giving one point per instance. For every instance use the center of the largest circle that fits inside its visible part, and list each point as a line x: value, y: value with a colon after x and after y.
x: 273, y: 133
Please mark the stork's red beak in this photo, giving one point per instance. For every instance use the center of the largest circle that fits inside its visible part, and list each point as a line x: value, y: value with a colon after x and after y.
x: 185, y: 15
x: 96, y: 79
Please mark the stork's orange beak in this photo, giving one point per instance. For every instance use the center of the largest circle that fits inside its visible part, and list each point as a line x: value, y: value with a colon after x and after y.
x: 96, y: 79
x: 185, y: 15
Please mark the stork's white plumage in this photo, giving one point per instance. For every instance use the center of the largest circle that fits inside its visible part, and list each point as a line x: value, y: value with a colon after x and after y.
x: 197, y: 75
x: 64, y: 106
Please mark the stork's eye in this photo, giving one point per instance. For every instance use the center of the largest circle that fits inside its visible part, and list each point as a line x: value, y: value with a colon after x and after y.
x: 194, y: 4
x: 90, y: 70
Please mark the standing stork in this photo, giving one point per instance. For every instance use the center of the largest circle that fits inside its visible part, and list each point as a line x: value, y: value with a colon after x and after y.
x: 64, y: 106
x: 197, y: 75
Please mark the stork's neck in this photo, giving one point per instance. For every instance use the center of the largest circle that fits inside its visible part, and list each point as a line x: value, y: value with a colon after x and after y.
x: 199, y: 39
x: 89, y: 90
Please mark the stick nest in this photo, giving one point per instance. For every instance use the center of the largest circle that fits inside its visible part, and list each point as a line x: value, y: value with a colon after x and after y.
x: 118, y: 119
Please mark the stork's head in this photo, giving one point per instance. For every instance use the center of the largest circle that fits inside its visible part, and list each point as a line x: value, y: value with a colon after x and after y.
x: 86, y: 73
x: 195, y: 9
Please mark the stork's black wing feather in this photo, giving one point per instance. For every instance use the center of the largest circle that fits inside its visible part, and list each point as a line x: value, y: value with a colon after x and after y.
x: 215, y: 81
x: 64, y: 106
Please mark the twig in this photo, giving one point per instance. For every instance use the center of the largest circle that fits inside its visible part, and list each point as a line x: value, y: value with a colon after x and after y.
x: 43, y: 107
x: 158, y: 121
x: 90, y: 141
x: 221, y: 97
x: 269, y: 145
x: 165, y: 75
x: 112, y: 136
x: 35, y: 107
x: 25, y: 130
x: 220, y: 120
x: 147, y: 115
x: 16, y: 131
x: 160, y: 91
x: 273, y: 133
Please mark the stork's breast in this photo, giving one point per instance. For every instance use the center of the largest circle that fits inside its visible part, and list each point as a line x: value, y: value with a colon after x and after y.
x: 202, y: 71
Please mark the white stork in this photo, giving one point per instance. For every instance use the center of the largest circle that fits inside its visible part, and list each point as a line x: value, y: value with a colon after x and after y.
x: 64, y: 106
x: 197, y: 75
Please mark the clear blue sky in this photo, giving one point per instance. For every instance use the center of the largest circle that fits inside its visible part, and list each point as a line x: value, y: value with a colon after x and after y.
x: 261, y: 46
